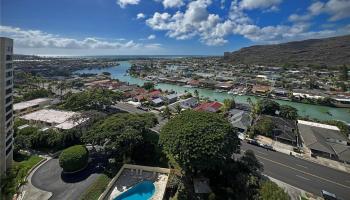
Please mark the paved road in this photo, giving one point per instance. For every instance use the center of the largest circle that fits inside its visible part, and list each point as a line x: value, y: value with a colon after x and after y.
x: 49, y: 178
x: 303, y: 174
x: 128, y: 108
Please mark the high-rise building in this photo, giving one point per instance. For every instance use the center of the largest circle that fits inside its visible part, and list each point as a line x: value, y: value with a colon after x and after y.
x: 6, y: 113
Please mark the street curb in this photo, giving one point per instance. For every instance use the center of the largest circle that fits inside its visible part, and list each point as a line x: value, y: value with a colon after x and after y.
x: 33, y: 170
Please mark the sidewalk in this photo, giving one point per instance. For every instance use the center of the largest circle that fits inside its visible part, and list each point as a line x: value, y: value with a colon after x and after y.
x: 294, y: 193
x: 288, y: 149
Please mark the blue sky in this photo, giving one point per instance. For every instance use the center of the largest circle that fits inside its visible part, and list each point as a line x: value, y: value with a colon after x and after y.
x: 176, y: 27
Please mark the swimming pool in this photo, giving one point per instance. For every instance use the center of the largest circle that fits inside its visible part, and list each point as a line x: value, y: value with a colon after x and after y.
x: 141, y: 191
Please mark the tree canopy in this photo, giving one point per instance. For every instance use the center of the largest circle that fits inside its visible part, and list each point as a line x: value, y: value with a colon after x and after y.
x: 120, y: 133
x: 148, y: 86
x: 199, y: 140
x: 288, y: 112
x: 94, y: 99
x: 264, y: 126
x: 268, y: 106
x: 229, y: 104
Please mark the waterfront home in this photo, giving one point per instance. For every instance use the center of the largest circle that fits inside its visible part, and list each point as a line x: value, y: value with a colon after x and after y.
x: 154, y: 94
x: 261, y: 89
x: 342, y: 102
x: 280, y: 92
x: 194, y: 83
x: 207, y: 83
x: 308, y: 94
x: 171, y: 98
x: 209, y: 107
x: 224, y: 85
x: 26, y: 107
x: 324, y: 140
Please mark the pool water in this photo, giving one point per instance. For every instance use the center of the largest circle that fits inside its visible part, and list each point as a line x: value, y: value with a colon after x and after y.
x: 141, y: 191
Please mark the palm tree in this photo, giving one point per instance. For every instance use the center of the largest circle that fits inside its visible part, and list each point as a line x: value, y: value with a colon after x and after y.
x: 166, y: 112
x: 178, y: 108
x: 196, y: 94
x: 229, y: 104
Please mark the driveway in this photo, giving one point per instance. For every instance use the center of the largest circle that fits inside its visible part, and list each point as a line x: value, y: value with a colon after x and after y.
x: 49, y: 177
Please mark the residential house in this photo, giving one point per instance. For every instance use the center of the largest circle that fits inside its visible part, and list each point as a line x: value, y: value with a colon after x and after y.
x: 209, y: 107
x: 171, y: 98
x: 189, y: 103
x: 261, y: 89
x: 324, y: 140
x: 285, y: 130
x: 240, y: 119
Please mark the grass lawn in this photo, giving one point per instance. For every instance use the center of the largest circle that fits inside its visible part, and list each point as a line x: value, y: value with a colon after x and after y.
x: 15, y: 177
x: 97, y: 188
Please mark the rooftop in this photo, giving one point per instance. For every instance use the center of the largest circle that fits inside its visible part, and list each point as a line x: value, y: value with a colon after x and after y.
x: 59, y: 119
x: 28, y: 104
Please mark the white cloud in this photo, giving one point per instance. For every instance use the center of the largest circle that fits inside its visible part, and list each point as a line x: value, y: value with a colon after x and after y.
x: 259, y: 4
x: 337, y: 9
x: 151, y: 37
x: 140, y: 16
x: 195, y: 21
x: 173, y: 3
x: 211, y: 29
x: 124, y: 3
x: 37, y: 39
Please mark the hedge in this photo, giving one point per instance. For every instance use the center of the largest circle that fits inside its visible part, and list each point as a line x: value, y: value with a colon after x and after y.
x: 74, y: 158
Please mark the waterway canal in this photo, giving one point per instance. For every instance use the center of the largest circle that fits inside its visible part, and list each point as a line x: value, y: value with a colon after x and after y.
x: 305, y: 110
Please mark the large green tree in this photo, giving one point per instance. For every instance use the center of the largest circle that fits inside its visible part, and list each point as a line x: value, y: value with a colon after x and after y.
x: 264, y: 126
x: 94, y: 99
x: 229, y: 104
x: 268, y: 106
x: 120, y: 133
x: 199, y: 140
x: 288, y: 112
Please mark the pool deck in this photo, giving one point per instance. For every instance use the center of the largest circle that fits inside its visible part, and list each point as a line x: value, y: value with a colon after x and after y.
x: 130, y: 175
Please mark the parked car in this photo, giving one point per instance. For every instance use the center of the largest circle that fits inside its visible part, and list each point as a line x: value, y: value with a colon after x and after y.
x: 298, y: 150
x: 328, y: 196
x: 253, y: 142
x: 143, y: 108
x: 268, y: 147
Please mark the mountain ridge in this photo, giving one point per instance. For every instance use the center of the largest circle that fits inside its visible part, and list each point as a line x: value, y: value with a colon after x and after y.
x: 330, y: 52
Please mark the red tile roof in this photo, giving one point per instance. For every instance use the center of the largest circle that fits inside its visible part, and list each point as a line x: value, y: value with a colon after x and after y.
x: 209, y: 107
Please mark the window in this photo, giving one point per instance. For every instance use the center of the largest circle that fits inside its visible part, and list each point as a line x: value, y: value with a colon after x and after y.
x: 9, y: 66
x: 8, y: 108
x: 9, y: 141
x: 8, y: 57
x: 7, y: 126
x: 8, y: 74
x: 8, y: 116
x: 9, y: 82
x: 9, y: 133
x: 8, y: 91
x: 8, y: 150
x: 8, y: 99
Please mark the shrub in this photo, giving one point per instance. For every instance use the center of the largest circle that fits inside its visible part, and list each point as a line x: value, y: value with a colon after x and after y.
x: 74, y: 158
